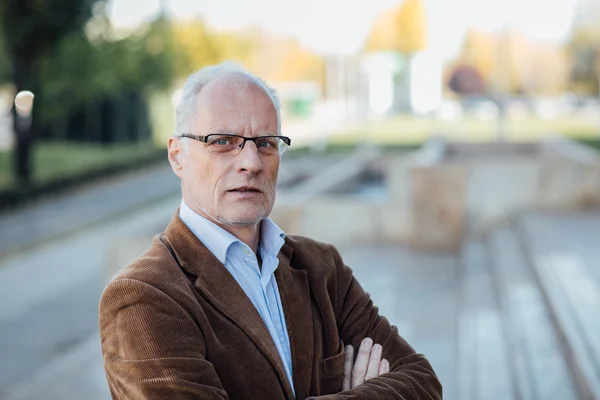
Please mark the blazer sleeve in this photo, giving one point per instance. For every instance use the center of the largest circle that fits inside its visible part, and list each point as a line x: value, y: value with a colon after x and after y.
x: 152, y: 347
x: 411, y: 375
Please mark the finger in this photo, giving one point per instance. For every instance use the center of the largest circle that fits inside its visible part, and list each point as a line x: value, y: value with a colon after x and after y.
x: 348, y: 363
x: 384, y: 367
x: 374, y: 360
x: 362, y: 360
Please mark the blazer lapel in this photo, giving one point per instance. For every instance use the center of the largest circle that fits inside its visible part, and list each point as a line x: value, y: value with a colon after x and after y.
x: 219, y: 287
x: 295, y: 297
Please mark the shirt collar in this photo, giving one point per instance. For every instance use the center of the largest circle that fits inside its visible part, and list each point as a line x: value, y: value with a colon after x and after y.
x: 271, y: 238
x: 218, y: 241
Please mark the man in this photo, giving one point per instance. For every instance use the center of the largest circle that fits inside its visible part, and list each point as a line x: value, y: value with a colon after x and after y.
x: 224, y: 304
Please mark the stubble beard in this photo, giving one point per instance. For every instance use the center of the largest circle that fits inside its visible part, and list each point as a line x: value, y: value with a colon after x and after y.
x: 237, y: 222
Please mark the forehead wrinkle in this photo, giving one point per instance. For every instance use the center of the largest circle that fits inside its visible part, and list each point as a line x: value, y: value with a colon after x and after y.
x: 220, y: 130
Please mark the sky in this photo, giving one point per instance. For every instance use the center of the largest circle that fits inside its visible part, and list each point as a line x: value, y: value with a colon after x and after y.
x: 340, y: 26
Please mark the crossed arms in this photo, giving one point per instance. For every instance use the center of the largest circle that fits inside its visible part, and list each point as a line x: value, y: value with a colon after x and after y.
x: 410, y: 375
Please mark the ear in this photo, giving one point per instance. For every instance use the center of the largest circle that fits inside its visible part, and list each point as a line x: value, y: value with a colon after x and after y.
x: 175, y: 154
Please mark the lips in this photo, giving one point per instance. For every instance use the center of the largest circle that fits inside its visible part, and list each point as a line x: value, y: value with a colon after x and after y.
x: 246, y: 189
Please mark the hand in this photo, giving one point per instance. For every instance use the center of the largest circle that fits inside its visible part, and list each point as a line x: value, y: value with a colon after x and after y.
x: 368, y: 364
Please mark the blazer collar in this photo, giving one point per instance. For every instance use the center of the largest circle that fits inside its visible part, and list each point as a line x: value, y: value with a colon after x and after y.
x: 217, y: 285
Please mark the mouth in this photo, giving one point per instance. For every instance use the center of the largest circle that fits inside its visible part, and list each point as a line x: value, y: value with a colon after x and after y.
x: 245, y: 189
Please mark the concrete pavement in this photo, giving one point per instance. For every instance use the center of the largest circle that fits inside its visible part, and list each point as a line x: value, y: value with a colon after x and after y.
x: 49, y: 300
x: 69, y: 212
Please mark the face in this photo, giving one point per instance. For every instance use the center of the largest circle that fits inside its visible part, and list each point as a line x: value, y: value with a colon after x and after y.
x: 232, y: 190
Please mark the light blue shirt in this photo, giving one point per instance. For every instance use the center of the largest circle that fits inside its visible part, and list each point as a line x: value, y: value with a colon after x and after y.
x: 259, y: 284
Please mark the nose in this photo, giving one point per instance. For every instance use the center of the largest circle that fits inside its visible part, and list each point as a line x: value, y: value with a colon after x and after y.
x: 248, y: 159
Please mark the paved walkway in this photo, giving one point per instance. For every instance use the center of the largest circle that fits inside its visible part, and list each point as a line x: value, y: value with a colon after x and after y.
x: 82, y: 207
x: 48, y: 308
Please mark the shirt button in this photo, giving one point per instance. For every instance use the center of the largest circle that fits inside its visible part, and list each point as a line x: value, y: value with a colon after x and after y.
x: 246, y: 251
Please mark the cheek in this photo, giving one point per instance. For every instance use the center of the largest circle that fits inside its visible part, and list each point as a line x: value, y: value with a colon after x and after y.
x: 197, y: 177
x: 273, y: 169
x: 208, y: 179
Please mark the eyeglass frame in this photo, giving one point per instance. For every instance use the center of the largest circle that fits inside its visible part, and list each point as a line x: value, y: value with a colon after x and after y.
x: 204, y: 138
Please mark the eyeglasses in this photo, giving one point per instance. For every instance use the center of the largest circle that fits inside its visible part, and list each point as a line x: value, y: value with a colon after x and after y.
x: 221, y: 143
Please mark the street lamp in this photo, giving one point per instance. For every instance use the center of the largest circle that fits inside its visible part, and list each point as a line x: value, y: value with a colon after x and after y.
x: 22, y: 124
x: 24, y: 106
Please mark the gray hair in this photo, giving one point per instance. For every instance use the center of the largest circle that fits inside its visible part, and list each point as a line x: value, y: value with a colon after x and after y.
x: 199, y: 79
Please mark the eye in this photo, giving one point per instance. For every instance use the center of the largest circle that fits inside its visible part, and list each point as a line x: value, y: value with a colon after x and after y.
x: 222, y: 141
x: 266, y: 143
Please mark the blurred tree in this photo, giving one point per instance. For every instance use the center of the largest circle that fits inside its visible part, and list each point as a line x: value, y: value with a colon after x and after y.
x: 584, y: 47
x: 4, y: 61
x: 412, y: 27
x: 284, y: 59
x: 548, y: 69
x: 32, y: 28
x: 466, y: 80
x: 512, y: 60
x: 101, y: 83
x: 479, y: 52
x: 197, y: 46
x: 402, y: 29
x: 503, y: 60
x: 384, y: 34
x: 276, y: 58
x: 299, y: 64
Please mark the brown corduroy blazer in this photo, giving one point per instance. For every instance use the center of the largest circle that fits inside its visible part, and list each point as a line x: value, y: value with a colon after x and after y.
x: 175, y: 325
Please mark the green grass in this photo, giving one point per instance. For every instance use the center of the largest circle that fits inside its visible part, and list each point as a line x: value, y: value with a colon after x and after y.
x: 410, y: 131
x: 58, y: 160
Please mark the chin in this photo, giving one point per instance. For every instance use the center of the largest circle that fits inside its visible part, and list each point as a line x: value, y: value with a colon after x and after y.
x: 243, y: 220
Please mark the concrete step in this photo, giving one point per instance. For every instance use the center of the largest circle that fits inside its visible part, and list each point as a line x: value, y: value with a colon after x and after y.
x: 538, y: 358
x: 568, y: 277
x: 529, y: 312
x: 484, y: 370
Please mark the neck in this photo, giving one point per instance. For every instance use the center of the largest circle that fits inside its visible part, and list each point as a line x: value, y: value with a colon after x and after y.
x: 250, y: 235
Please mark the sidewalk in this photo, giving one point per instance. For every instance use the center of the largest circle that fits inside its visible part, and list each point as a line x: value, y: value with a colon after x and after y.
x: 49, y: 305
x: 83, y: 207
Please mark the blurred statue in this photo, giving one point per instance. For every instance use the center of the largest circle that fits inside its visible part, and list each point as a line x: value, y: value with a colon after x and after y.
x: 224, y: 304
